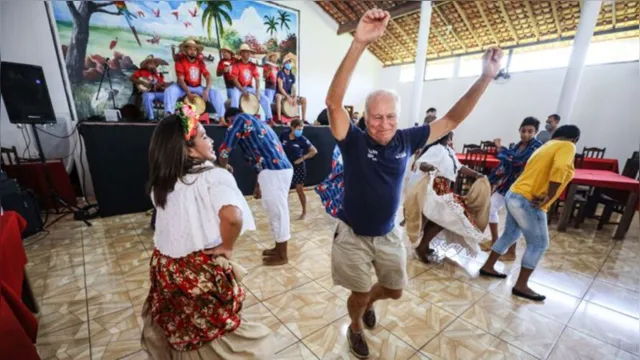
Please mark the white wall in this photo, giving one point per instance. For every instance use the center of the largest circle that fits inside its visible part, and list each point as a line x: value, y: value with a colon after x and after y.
x: 607, y: 108
x: 321, y: 52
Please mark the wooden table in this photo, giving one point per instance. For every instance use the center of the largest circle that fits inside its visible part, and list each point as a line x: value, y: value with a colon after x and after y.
x: 606, y: 180
x: 589, y: 163
x: 492, y: 160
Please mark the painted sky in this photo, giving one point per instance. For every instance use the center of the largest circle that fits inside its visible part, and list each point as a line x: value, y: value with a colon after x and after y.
x: 247, y: 16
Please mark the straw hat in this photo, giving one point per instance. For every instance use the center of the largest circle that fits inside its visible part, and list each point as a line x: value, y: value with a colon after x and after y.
x: 151, y: 58
x: 222, y: 50
x: 289, y: 57
x: 277, y: 55
x: 191, y: 41
x: 245, y: 47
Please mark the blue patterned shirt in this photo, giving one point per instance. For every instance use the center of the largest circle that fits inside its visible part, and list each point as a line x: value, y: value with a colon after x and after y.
x: 258, y: 142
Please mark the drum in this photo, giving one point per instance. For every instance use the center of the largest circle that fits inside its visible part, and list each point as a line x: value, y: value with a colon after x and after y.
x: 249, y: 104
x: 289, y: 110
x: 199, y: 104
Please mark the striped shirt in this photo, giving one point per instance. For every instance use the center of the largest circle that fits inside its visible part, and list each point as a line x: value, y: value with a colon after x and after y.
x: 258, y: 142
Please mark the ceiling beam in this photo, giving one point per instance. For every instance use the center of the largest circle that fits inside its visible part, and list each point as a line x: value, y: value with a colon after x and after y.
x: 532, y: 19
x: 466, y: 22
x: 512, y: 30
x: 403, y: 9
x: 453, y: 31
x: 412, y: 47
x: 613, y: 14
x: 486, y: 22
x: 436, y: 32
x: 554, y: 11
x: 330, y: 4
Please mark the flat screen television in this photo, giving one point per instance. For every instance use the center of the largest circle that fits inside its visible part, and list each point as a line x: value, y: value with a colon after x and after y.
x: 24, y: 90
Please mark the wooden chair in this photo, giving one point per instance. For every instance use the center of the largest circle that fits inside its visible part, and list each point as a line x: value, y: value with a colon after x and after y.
x: 489, y: 146
x: 579, y: 200
x: 467, y: 147
x: 593, y: 152
x: 476, y: 160
x: 11, y: 154
x: 614, y: 201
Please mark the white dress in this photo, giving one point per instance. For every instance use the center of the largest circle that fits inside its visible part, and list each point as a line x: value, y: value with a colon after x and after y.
x: 189, y: 221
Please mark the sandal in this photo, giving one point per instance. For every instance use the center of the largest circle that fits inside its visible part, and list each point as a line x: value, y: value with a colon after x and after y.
x: 496, y: 275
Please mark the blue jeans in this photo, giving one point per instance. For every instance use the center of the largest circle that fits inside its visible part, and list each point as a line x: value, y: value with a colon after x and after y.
x: 270, y: 94
x: 524, y: 218
x: 175, y: 92
x: 147, y: 101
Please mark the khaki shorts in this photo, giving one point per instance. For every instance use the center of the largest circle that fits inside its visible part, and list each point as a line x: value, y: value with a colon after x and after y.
x: 353, y: 256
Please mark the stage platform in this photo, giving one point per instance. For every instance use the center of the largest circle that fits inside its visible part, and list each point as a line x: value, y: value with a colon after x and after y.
x: 118, y: 162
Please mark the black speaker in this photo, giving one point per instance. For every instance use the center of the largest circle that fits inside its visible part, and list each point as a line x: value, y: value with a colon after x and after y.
x: 25, y: 93
x: 25, y: 203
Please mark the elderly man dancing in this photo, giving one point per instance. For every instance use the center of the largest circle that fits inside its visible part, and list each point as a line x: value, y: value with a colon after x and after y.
x: 374, y: 165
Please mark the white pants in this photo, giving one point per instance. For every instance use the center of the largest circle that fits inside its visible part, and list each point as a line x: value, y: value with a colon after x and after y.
x: 497, y: 203
x: 274, y: 185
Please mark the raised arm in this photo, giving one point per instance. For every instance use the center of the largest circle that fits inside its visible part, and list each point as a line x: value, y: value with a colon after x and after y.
x: 462, y: 108
x: 371, y: 27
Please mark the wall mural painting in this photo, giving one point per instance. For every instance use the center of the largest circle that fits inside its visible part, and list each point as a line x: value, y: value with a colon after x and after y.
x: 114, y: 37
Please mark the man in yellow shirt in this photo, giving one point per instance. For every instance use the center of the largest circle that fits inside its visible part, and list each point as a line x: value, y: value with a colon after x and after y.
x: 545, y: 176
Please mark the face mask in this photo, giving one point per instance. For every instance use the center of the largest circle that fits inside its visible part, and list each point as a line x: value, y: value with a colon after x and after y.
x: 297, y: 132
x: 288, y: 66
x: 548, y: 127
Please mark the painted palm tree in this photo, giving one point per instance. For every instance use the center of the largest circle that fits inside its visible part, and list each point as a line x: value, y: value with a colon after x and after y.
x: 214, y: 14
x: 284, y: 19
x: 271, y: 24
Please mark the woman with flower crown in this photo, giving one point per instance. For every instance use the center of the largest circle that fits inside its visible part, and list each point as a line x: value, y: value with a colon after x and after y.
x: 193, y: 310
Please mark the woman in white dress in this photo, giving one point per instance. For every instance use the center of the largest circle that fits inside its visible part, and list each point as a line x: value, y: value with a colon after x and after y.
x: 194, y: 303
x: 443, y: 210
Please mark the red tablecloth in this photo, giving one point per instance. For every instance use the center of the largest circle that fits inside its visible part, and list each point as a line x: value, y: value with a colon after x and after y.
x: 18, y: 328
x: 12, y: 255
x: 605, y: 179
x: 492, y: 161
x: 601, y: 164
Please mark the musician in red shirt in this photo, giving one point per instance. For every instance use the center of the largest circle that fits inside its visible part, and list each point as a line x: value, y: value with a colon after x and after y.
x: 224, y: 69
x: 244, y: 73
x: 270, y: 74
x: 150, y: 83
x: 190, y: 68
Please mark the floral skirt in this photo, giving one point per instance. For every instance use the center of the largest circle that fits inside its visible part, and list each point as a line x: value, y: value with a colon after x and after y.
x: 194, y: 305
x: 442, y: 186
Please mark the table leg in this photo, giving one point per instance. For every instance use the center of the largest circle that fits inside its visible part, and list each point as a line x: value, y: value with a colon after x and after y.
x: 27, y: 295
x: 627, y: 216
x: 568, y: 207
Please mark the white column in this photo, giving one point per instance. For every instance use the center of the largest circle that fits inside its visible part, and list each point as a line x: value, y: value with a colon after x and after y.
x: 421, y: 58
x: 588, y: 19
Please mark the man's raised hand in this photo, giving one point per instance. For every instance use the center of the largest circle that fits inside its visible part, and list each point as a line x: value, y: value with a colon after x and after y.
x: 371, y: 26
x: 491, y: 61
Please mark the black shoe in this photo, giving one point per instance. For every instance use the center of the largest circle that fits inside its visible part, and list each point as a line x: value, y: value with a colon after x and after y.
x: 495, y: 275
x: 534, y: 296
x: 369, y: 319
x: 357, y: 344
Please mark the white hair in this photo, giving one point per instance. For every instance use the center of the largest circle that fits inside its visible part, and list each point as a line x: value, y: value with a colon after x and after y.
x: 382, y: 93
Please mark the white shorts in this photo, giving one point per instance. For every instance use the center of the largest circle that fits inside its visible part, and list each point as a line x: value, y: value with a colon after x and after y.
x: 497, y: 203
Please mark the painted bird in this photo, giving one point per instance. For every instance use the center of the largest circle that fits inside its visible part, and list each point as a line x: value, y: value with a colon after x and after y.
x: 113, y: 43
x: 175, y: 13
x: 156, y: 12
x: 141, y: 14
x: 193, y: 12
x: 187, y: 24
x: 122, y: 10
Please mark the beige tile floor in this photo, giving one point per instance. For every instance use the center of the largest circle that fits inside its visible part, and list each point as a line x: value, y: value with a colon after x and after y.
x: 91, y: 283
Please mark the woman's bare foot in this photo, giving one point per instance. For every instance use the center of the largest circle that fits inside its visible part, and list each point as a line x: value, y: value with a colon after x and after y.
x: 302, y: 216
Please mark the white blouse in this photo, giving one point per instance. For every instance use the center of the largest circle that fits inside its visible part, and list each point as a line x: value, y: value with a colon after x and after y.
x: 442, y: 158
x: 189, y: 221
